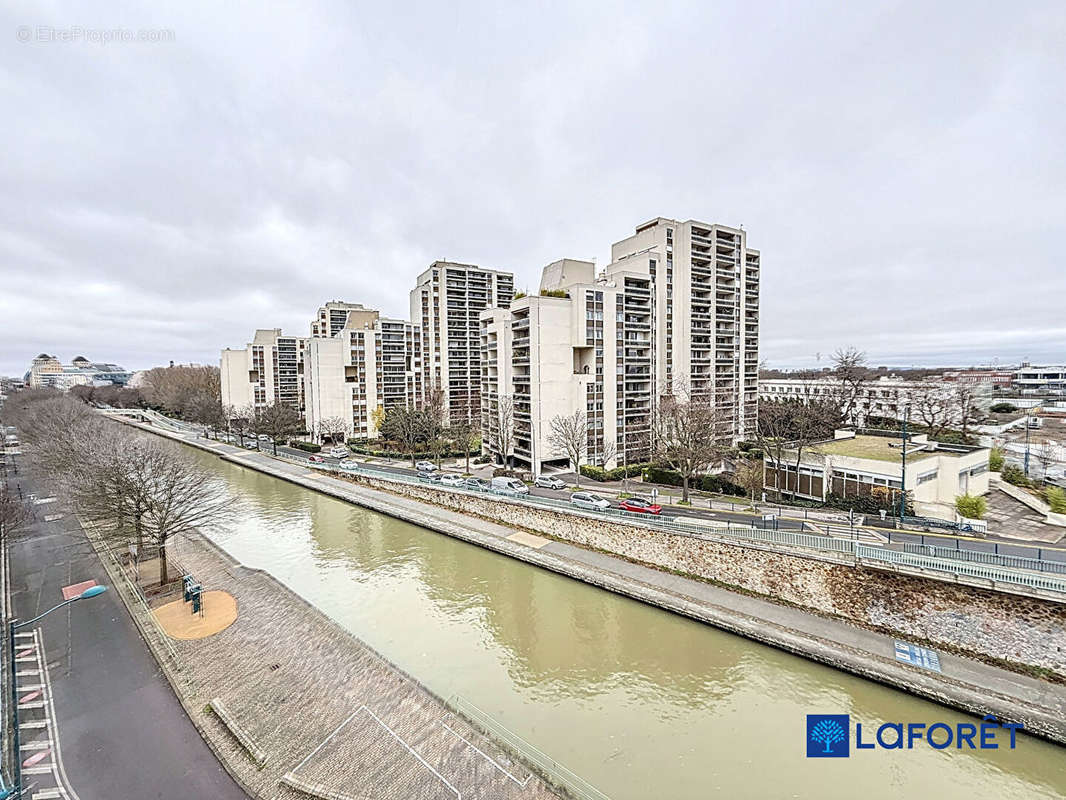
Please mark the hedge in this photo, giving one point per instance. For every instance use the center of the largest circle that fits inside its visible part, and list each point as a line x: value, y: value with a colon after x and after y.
x: 707, y: 483
x: 616, y: 474
x: 307, y: 447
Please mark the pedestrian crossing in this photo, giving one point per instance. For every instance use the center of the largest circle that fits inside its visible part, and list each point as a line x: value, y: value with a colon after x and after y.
x: 42, y: 777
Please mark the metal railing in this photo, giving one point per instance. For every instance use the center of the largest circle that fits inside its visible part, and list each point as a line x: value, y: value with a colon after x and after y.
x: 988, y: 566
x: 559, y: 773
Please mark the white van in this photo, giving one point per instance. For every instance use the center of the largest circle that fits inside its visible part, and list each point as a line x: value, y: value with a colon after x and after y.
x: 509, y: 486
x: 339, y: 452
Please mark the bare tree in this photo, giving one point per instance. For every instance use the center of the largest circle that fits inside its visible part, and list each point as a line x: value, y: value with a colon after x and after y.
x: 15, y: 514
x: 502, y: 430
x: 686, y: 436
x: 751, y: 476
x: 435, y: 421
x: 1046, y: 457
x: 570, y: 435
x: 333, y: 427
x: 931, y: 406
x: 179, y: 390
x: 406, y: 427
x: 240, y: 420
x: 465, y: 435
x: 850, y: 373
x: 278, y: 421
x: 966, y: 410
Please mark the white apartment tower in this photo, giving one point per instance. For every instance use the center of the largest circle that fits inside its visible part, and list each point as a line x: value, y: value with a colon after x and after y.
x: 269, y: 370
x: 582, y: 344
x: 706, y: 301
x: 361, y: 369
x: 676, y: 309
x: 446, y: 302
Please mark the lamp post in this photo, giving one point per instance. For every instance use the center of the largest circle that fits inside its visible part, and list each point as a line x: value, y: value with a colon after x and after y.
x: 13, y: 627
x: 1028, y: 419
x: 903, y: 475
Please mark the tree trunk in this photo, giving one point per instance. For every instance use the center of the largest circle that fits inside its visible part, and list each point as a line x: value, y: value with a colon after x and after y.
x: 468, y: 460
x: 163, y: 576
x: 684, y: 488
x: 138, y: 533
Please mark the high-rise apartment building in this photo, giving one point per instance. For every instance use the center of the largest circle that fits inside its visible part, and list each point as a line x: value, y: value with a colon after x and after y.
x: 269, y: 370
x: 582, y: 344
x: 676, y: 311
x: 706, y: 313
x: 446, y: 302
x: 365, y: 367
x: 336, y: 315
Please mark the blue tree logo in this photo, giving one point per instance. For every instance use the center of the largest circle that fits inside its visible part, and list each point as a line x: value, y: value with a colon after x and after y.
x: 827, y: 736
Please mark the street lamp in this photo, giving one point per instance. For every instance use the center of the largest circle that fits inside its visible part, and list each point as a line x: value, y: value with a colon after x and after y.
x: 903, y: 475
x: 13, y: 627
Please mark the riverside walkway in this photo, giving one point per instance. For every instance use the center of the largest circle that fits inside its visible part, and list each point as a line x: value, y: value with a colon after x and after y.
x: 964, y: 683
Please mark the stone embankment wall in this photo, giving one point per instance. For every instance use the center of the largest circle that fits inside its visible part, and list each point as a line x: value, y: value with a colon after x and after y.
x: 1014, y: 628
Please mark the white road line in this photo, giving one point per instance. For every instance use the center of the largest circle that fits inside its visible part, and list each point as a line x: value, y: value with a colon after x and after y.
x: 60, y: 773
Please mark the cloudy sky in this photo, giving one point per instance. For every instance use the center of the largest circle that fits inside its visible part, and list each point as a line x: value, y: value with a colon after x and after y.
x: 901, y: 166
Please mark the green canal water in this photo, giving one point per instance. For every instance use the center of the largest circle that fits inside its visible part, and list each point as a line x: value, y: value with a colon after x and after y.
x: 642, y: 703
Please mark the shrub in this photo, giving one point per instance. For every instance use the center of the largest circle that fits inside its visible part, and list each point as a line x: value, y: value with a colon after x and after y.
x: 1002, y: 408
x: 995, y: 459
x: 616, y: 474
x: 554, y: 293
x: 870, y: 504
x: 307, y: 447
x: 1056, y: 498
x: 717, y: 484
x: 1014, y: 475
x: 971, y: 506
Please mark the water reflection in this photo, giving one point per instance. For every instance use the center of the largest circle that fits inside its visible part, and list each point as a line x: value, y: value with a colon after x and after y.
x: 643, y: 703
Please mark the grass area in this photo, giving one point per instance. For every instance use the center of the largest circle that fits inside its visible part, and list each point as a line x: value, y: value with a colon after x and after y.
x: 878, y: 448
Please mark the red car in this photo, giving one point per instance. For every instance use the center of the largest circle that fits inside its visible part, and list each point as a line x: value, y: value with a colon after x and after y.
x: 316, y: 459
x: 640, y: 505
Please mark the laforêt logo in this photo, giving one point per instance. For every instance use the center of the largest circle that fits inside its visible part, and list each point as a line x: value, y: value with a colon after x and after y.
x: 828, y: 736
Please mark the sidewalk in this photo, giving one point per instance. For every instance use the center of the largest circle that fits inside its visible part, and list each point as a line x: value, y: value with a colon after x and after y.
x: 119, y: 730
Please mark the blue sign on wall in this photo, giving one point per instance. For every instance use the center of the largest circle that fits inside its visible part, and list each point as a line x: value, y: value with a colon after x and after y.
x: 918, y: 656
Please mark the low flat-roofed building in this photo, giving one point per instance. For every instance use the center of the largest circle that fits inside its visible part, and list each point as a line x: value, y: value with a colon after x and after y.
x: 858, y: 463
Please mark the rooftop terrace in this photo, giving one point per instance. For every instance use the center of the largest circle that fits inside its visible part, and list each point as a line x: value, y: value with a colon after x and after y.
x: 878, y: 448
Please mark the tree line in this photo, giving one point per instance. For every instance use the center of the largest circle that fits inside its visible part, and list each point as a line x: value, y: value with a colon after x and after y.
x: 142, y: 490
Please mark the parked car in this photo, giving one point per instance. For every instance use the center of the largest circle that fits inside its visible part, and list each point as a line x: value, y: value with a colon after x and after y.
x: 339, y: 452
x: 589, y: 501
x: 251, y: 445
x: 509, y: 486
x: 426, y: 466
x: 264, y: 438
x: 452, y: 479
x: 315, y: 458
x: 479, y: 484
x: 641, y: 505
x: 429, y: 477
x: 549, y: 482
x: 349, y: 466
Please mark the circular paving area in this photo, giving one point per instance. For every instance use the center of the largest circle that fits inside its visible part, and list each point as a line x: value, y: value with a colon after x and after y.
x: 177, y: 619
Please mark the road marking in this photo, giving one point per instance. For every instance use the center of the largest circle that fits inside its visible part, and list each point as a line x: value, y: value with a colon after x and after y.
x: 38, y: 745
x: 43, y: 770
x: 72, y: 591
x: 37, y: 757
x: 31, y: 696
x: 35, y: 724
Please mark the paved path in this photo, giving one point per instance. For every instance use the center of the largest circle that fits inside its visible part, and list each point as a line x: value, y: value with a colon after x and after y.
x: 121, y: 730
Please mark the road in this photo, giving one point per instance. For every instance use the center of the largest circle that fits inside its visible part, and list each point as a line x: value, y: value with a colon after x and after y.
x: 887, y: 536
x: 121, y: 730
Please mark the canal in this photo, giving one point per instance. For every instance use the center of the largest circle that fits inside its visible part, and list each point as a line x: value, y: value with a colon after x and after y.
x: 641, y: 702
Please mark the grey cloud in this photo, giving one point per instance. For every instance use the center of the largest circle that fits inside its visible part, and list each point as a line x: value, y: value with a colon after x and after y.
x: 898, y: 164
